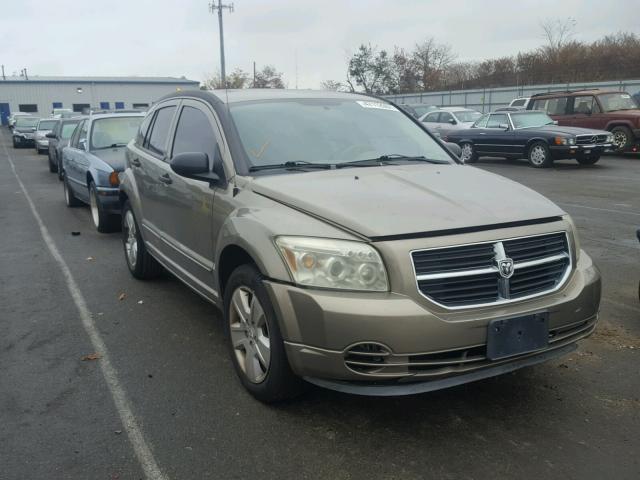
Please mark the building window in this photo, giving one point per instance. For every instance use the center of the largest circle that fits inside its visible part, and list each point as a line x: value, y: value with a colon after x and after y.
x: 28, y: 108
x: 81, y: 107
x: 119, y: 105
x: 140, y: 105
x: 104, y: 105
x: 57, y: 104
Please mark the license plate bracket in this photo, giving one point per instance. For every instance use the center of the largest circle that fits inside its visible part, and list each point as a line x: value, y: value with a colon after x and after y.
x: 517, y: 335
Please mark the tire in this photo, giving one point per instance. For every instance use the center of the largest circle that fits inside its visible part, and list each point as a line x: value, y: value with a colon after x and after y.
x: 59, y: 163
x: 15, y: 144
x: 141, y: 263
x: 539, y: 155
x: 469, y: 154
x: 588, y: 160
x: 69, y: 197
x: 267, y: 376
x: 622, y: 138
x: 53, y: 167
x: 104, y: 221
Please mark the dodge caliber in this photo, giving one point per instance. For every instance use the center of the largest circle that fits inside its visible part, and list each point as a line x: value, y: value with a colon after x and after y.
x: 348, y: 248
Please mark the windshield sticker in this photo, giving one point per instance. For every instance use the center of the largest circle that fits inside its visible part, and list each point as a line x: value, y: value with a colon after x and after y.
x: 625, y: 95
x: 378, y: 105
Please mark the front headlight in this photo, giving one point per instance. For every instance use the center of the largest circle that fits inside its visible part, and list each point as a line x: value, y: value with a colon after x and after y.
x: 565, y: 141
x: 329, y: 263
x: 572, y: 141
x: 574, y: 234
x: 610, y: 138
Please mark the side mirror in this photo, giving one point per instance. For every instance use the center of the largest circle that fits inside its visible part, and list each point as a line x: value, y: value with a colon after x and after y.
x: 454, y: 148
x: 503, y: 126
x: 82, y: 143
x: 34, y: 129
x: 193, y: 165
x: 50, y: 135
x: 452, y: 121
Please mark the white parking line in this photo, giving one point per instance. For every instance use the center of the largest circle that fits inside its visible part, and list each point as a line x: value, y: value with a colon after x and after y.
x: 143, y: 452
x: 575, y: 205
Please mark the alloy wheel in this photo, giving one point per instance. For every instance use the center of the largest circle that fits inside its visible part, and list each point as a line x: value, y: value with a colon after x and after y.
x: 467, y: 152
x: 131, y: 242
x: 538, y: 155
x: 250, y: 334
x: 619, y: 139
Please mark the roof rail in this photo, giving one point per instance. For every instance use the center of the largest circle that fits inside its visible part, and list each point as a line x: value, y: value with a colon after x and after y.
x: 563, y: 91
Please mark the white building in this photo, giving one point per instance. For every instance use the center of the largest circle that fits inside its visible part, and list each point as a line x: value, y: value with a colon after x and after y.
x: 40, y: 95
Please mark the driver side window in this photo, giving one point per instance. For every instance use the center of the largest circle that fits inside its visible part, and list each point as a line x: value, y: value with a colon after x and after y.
x: 446, y: 117
x: 496, y: 120
x: 481, y: 122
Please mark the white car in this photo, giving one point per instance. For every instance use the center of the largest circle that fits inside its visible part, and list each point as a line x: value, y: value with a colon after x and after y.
x: 447, y: 119
x: 520, y: 102
x: 45, y: 125
x: 14, y: 116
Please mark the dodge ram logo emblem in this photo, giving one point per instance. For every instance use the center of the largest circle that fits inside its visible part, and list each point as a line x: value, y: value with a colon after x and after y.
x: 505, y: 267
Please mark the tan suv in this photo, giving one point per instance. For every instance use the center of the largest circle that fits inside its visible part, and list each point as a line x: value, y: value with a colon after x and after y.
x: 614, y: 111
x: 347, y: 247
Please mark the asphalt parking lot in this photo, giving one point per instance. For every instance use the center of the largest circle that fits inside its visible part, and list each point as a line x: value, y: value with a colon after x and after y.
x: 576, y: 417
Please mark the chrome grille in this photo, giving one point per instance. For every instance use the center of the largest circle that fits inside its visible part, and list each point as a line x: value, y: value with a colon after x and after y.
x: 590, y: 139
x: 469, y: 275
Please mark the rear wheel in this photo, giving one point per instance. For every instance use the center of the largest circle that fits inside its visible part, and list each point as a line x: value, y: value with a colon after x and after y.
x: 588, y: 160
x: 140, y: 262
x: 621, y: 138
x: 468, y: 154
x: 69, y: 198
x: 539, y: 155
x: 104, y: 221
x: 59, y: 163
x: 53, y: 167
x: 255, y: 342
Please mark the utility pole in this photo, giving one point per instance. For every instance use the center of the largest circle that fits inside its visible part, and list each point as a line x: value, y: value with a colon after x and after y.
x: 219, y: 7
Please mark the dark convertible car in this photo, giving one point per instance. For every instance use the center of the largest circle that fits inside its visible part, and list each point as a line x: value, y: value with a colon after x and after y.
x: 532, y: 135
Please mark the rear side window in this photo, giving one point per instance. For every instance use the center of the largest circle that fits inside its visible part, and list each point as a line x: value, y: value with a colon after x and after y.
x: 432, y: 117
x: 585, y: 105
x: 553, y: 106
x: 194, y: 133
x: 482, y: 122
x: 157, y: 140
x: 446, y: 117
x: 142, y: 131
x: 518, y: 103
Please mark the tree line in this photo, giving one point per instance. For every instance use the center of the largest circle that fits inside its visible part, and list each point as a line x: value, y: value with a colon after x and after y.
x: 432, y: 66
x: 268, y: 77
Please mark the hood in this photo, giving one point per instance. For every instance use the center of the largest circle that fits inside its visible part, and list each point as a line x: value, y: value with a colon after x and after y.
x: 114, y: 157
x: 570, y: 130
x: 405, y: 199
x: 24, y: 129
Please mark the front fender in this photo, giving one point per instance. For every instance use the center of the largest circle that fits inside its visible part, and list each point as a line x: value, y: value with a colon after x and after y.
x: 129, y: 190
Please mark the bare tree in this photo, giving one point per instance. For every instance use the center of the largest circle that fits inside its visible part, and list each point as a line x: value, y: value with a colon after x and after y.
x: 431, y: 61
x: 333, y: 85
x: 237, y: 79
x: 557, y: 34
x: 371, y: 70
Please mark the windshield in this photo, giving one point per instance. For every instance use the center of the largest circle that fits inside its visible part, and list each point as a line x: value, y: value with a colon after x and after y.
x: 68, y: 129
x: 617, y: 101
x: 114, y: 131
x: 46, y: 124
x: 328, y: 131
x: 27, y: 121
x: 533, y: 119
x: 467, y: 116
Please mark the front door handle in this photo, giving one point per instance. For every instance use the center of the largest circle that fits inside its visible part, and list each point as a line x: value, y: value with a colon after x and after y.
x: 166, y: 179
x: 135, y: 162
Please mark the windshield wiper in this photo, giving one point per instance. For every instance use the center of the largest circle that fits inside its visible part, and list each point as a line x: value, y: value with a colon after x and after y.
x: 292, y: 165
x: 387, y: 159
x: 113, y: 145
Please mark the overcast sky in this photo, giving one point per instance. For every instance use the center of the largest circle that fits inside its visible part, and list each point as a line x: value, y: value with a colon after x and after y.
x: 180, y: 37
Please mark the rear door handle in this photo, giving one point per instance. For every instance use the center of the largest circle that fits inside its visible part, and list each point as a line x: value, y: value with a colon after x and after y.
x: 135, y: 162
x: 166, y: 179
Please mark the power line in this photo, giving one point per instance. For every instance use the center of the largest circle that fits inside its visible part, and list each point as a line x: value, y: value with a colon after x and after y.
x: 219, y: 7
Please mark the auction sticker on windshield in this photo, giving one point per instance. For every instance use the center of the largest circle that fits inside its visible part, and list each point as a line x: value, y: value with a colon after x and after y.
x: 378, y: 105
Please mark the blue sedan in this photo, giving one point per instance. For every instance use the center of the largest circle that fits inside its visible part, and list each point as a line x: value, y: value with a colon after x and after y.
x: 91, y: 163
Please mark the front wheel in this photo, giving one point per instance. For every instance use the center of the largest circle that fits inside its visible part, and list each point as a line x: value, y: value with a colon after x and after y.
x: 469, y: 154
x: 15, y: 143
x: 104, y: 221
x: 140, y: 262
x: 539, y: 155
x: 621, y: 138
x: 256, y: 345
x: 588, y: 160
x: 53, y: 167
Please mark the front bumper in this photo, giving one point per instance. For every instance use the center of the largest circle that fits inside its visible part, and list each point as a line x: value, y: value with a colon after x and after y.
x: 572, y: 151
x: 321, y: 327
x: 24, y: 139
x: 42, y: 143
